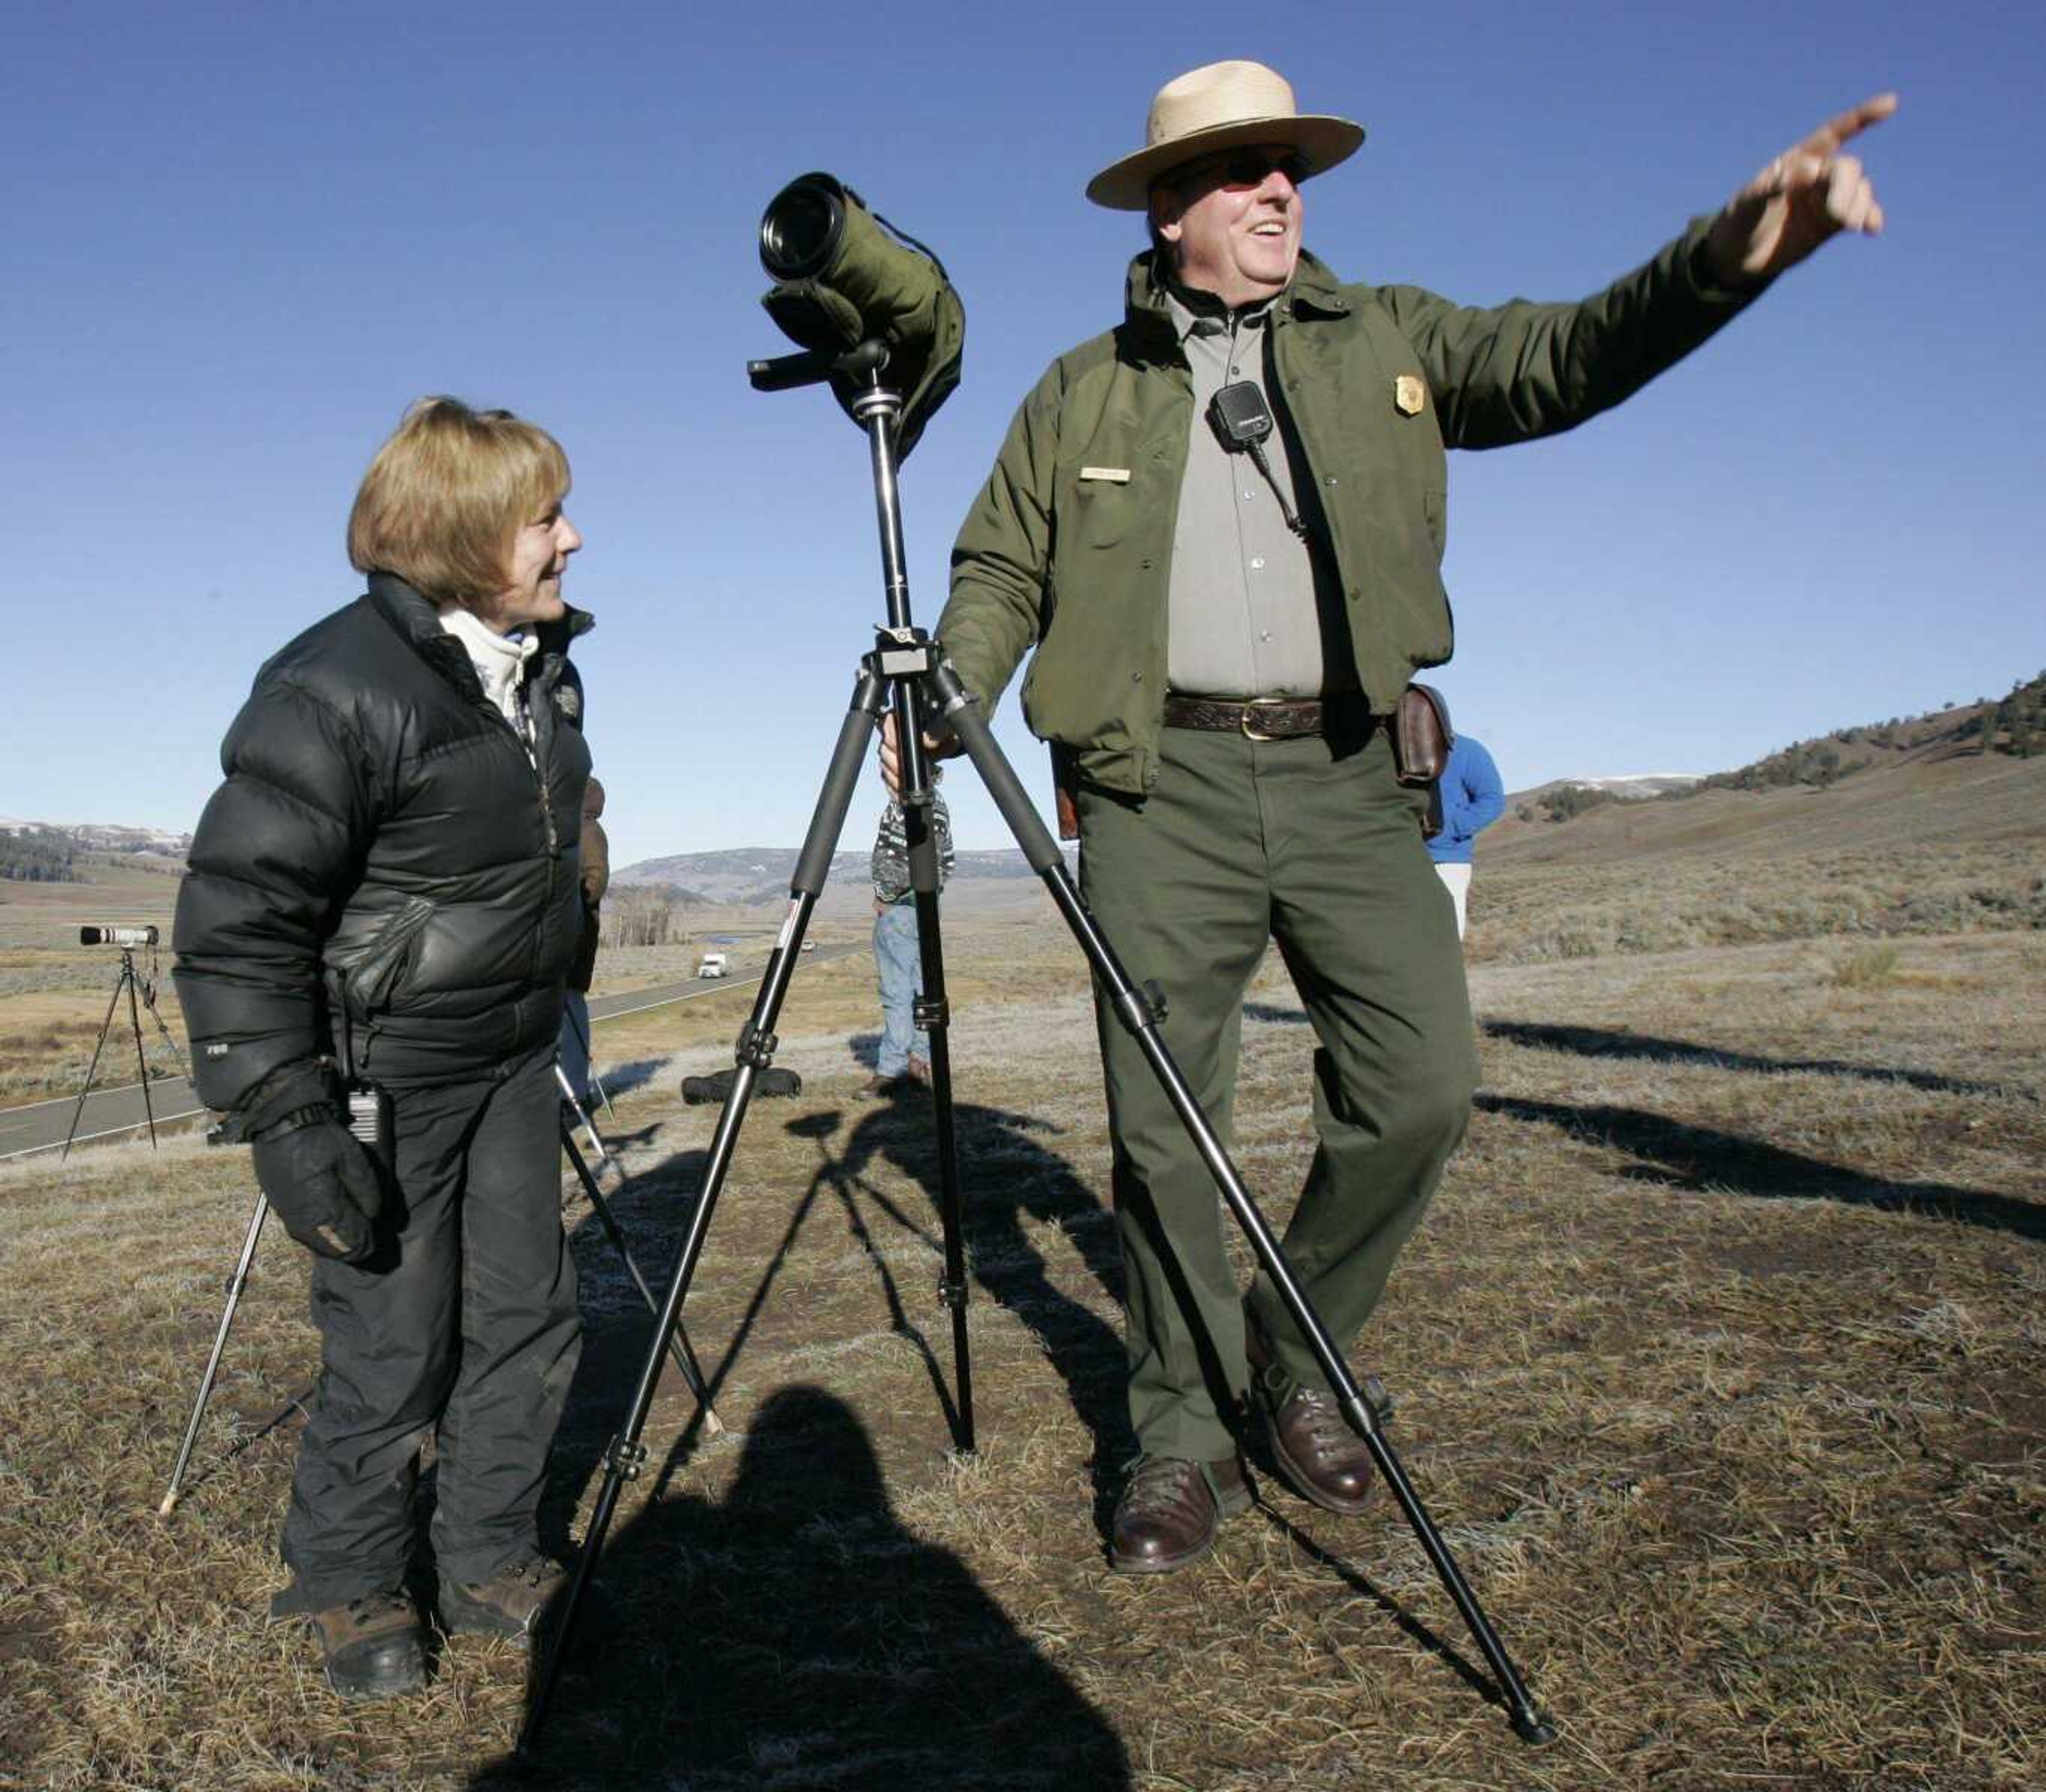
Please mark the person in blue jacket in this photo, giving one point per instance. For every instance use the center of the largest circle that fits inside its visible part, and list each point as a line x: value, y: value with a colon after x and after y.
x: 1472, y: 800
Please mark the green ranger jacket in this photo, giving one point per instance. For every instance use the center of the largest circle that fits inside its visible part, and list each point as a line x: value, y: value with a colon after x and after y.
x: 1070, y: 544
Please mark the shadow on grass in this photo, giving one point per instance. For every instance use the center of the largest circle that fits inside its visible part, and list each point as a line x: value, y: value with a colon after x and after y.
x: 622, y: 1079
x: 1598, y: 1042
x: 1006, y: 1176
x: 1704, y: 1160
x: 796, y: 1635
x: 1477, y: 1679
x: 1270, y: 1015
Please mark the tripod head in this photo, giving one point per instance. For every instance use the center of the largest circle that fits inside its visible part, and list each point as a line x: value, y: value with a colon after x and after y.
x: 861, y: 364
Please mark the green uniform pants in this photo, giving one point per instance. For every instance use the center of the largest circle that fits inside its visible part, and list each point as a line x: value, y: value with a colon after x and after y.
x: 1313, y: 844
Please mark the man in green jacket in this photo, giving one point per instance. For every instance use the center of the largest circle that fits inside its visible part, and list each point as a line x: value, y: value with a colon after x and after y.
x: 1220, y: 526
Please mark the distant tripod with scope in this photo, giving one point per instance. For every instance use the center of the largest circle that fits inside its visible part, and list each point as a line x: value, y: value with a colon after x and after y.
x: 130, y: 940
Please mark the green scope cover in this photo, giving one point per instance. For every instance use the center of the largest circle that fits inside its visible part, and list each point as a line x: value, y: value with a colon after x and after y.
x: 875, y: 286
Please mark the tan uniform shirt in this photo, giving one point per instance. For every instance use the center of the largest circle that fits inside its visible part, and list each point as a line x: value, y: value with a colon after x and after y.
x: 1244, y: 618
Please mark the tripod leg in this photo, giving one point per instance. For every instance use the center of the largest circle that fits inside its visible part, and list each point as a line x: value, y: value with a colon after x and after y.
x: 92, y: 1070
x: 1137, y: 1012
x: 933, y: 1015
x: 141, y: 1062
x: 239, y: 1281
x: 678, y: 1345
x: 581, y: 1118
x: 627, y: 1455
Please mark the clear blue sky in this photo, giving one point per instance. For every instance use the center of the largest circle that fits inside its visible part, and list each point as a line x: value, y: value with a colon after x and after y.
x: 240, y: 237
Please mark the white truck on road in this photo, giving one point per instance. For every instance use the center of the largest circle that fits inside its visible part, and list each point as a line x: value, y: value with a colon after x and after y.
x: 713, y: 965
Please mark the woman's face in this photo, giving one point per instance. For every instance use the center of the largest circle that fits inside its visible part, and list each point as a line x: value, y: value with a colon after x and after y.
x: 540, y: 552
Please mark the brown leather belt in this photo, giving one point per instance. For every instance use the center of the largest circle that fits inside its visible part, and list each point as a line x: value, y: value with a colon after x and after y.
x: 1267, y: 719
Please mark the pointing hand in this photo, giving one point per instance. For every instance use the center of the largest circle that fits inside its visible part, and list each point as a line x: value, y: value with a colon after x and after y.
x: 1809, y: 193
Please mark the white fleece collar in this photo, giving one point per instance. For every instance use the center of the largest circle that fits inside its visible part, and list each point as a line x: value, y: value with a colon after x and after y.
x: 499, y: 661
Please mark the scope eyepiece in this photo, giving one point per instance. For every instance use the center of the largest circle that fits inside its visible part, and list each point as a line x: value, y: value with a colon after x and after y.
x: 801, y: 228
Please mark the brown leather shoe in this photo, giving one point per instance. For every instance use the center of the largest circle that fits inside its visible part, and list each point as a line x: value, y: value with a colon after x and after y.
x: 375, y: 1646
x: 1169, y: 1513
x: 1321, y: 1457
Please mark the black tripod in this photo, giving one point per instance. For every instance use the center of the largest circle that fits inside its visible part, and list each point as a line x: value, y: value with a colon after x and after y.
x: 676, y: 1338
x: 907, y: 674
x: 132, y: 981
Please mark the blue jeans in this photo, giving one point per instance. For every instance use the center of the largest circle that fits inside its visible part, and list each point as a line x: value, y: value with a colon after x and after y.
x: 901, y: 972
x: 575, y: 1042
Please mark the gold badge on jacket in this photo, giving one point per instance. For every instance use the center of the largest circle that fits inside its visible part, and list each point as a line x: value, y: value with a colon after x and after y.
x: 1409, y: 394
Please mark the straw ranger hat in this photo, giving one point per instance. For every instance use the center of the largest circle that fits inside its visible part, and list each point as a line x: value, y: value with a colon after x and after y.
x: 1217, y: 108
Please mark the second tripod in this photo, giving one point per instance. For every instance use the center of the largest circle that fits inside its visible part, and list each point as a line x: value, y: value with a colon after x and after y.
x: 129, y: 940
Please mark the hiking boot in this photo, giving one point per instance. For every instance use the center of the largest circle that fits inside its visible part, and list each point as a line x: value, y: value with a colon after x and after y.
x: 375, y: 1646
x: 524, y: 1601
x: 918, y: 1071
x: 1170, y: 1512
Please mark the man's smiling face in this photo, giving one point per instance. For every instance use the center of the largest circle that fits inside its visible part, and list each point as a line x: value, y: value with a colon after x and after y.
x: 1233, y: 221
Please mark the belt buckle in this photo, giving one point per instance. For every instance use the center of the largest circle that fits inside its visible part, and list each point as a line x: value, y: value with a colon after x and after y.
x: 1254, y: 733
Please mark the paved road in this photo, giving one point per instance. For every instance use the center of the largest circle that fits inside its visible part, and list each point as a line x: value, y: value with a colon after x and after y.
x: 41, y: 1125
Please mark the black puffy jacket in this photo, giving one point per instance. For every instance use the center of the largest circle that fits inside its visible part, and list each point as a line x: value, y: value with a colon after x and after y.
x: 382, y: 831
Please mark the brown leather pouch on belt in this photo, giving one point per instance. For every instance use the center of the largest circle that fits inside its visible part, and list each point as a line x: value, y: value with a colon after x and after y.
x: 1421, y: 736
x: 1065, y: 787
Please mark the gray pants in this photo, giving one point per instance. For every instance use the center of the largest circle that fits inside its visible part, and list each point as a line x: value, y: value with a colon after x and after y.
x: 1312, y: 843
x: 463, y: 1329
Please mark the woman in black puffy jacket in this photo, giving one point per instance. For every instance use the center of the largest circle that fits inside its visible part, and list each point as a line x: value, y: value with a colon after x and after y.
x: 386, y: 887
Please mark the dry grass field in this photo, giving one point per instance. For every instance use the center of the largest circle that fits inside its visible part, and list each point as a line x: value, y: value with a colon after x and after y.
x: 1718, y: 1360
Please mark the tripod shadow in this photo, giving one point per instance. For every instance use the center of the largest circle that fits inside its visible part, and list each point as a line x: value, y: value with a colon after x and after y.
x: 1701, y: 1159
x: 1275, y: 1017
x: 1006, y: 1178
x: 1597, y: 1042
x: 796, y: 1635
x: 622, y: 1079
x: 1421, y: 1634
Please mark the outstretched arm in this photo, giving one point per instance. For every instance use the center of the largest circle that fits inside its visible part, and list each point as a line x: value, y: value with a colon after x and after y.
x: 1809, y: 193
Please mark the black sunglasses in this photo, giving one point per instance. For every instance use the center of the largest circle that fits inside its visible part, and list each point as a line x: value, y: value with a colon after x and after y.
x: 1247, y: 167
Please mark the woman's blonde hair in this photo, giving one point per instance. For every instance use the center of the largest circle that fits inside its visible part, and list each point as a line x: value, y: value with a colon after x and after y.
x: 447, y: 494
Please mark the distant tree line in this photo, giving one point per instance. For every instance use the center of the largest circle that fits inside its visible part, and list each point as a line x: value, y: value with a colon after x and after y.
x: 1819, y: 763
x: 1566, y: 802
x: 40, y: 856
x: 645, y: 915
x: 2016, y: 724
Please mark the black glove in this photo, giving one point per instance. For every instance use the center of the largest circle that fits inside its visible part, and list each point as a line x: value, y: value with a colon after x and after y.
x: 324, y: 1185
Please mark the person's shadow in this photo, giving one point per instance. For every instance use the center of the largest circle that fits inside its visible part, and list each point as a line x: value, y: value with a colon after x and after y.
x: 796, y: 1635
